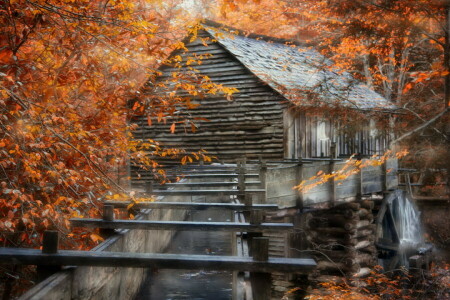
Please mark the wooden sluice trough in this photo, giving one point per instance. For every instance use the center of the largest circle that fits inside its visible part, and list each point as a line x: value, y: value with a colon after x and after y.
x: 265, y: 190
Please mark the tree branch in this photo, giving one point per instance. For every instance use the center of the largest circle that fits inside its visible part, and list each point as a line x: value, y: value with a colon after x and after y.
x: 423, y: 120
x: 423, y: 126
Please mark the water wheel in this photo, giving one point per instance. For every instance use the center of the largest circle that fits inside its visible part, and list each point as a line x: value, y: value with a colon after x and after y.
x: 398, y: 233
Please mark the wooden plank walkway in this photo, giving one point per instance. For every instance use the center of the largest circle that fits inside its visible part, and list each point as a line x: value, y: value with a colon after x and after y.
x: 180, y: 225
x: 192, y: 205
x: 153, y: 260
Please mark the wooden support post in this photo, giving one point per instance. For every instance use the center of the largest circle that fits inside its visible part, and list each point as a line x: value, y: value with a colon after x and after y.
x: 360, y: 184
x: 49, y: 246
x: 408, y: 185
x: 248, y: 198
x: 244, y: 162
x: 50, y: 242
x: 332, y: 180
x: 149, y: 187
x: 234, y: 252
x: 256, y: 217
x: 333, y: 150
x: 260, y: 247
x: 385, y: 176
x: 262, y: 179
x: 241, y: 177
x: 241, y: 183
x: 262, y: 173
x: 108, y: 212
x: 108, y: 215
x: 261, y: 282
x: 299, y: 179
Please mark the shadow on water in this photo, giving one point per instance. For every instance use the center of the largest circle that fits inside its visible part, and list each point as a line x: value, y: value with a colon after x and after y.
x: 193, y: 284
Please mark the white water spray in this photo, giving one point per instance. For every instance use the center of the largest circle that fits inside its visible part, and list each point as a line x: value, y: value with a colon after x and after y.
x: 407, y: 219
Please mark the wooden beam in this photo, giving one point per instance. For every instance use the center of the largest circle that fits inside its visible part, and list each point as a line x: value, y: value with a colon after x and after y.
x: 207, y: 175
x: 22, y: 256
x: 180, y: 225
x: 194, y: 184
x: 192, y: 205
x: 203, y: 192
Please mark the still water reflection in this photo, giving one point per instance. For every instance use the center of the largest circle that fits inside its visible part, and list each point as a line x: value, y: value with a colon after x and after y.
x: 193, y: 284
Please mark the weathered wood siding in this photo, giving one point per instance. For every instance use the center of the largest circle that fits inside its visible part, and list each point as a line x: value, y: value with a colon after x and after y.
x: 281, y: 180
x: 311, y: 136
x: 250, y: 124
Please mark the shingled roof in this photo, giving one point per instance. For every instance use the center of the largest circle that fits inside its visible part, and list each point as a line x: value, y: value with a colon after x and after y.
x: 297, y: 71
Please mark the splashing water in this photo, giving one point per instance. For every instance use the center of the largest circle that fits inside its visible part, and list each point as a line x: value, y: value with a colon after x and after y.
x: 407, y: 219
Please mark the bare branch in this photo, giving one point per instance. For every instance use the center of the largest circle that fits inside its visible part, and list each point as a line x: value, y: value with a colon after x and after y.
x: 421, y: 127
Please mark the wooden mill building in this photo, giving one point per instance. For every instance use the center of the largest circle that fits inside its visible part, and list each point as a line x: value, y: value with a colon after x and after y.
x: 277, y: 82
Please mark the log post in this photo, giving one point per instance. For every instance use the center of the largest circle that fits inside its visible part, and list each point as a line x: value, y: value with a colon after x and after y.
x: 261, y: 282
x: 49, y: 246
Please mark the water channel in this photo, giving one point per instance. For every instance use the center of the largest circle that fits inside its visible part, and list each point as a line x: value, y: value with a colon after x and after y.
x: 193, y: 284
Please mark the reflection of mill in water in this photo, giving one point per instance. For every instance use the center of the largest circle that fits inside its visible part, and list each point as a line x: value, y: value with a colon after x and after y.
x: 399, y: 231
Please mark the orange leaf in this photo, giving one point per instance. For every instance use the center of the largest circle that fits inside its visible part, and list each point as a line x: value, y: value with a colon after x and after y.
x: 95, y: 237
x: 172, y: 128
x: 5, y: 55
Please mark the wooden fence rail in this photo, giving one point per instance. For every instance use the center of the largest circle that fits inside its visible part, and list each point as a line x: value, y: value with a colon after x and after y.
x: 191, y: 205
x: 21, y: 256
x: 208, y: 184
x: 202, y: 192
x: 180, y: 225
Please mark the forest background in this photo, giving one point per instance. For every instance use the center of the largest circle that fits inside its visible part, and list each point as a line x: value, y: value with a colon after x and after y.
x: 68, y: 68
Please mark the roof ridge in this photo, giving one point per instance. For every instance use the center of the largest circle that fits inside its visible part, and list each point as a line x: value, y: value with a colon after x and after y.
x: 240, y: 32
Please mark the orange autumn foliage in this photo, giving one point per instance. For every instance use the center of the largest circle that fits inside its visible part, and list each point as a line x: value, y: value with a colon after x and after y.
x: 398, y: 49
x: 351, y: 167
x: 68, y: 69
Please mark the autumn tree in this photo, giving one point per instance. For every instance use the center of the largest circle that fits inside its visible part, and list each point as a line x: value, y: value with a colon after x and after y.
x: 68, y: 73
x: 398, y: 48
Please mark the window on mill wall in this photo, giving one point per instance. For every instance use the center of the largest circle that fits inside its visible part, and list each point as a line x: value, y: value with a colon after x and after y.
x: 323, y: 139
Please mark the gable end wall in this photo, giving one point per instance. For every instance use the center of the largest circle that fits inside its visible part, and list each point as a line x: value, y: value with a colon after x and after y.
x: 251, y: 124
